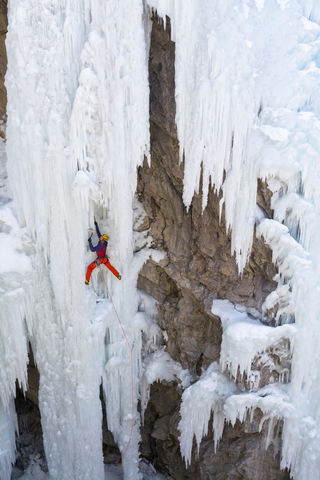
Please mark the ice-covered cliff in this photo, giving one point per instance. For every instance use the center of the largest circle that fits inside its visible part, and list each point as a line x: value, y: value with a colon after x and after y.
x: 77, y: 72
x: 247, y: 108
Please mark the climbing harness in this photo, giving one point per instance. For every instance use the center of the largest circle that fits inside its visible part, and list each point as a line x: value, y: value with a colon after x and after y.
x: 132, y: 415
x: 98, y: 262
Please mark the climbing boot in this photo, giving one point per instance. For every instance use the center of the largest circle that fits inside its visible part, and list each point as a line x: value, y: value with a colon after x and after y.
x: 119, y: 277
x: 86, y: 282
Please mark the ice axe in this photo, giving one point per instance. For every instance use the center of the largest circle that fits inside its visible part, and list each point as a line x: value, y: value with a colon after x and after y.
x: 91, y: 230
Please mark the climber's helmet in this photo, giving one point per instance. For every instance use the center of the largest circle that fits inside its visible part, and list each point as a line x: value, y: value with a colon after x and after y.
x: 104, y: 238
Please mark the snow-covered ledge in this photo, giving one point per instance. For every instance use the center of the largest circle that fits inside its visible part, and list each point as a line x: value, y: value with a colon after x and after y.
x: 217, y: 393
x: 244, y: 337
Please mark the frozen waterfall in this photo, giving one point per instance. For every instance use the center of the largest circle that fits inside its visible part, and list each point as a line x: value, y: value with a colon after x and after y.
x: 76, y: 81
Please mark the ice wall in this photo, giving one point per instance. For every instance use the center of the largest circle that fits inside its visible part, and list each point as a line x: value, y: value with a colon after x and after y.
x: 15, y: 273
x: 247, y: 93
x: 109, y: 138
x: 77, y: 129
x: 247, y: 106
x: 311, y: 9
x: 41, y: 82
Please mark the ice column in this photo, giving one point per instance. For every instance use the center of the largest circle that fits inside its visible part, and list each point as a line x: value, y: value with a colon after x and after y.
x: 15, y: 274
x: 44, y: 42
x: 78, y: 128
x: 109, y: 138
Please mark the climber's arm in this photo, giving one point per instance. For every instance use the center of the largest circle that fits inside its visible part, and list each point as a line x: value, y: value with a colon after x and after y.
x: 97, y: 230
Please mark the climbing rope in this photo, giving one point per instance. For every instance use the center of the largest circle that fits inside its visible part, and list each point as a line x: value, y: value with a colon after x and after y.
x: 124, y: 333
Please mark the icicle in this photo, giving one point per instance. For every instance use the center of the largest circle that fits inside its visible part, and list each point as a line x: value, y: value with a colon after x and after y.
x: 244, y: 338
x: 199, y: 401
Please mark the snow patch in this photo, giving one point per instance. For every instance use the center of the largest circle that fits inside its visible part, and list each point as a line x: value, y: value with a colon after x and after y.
x: 244, y: 337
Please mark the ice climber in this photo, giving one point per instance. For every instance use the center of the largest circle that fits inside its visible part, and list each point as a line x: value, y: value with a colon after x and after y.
x: 102, y: 258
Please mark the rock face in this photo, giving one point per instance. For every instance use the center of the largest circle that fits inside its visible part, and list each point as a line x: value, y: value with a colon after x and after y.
x: 198, y: 269
x: 29, y: 442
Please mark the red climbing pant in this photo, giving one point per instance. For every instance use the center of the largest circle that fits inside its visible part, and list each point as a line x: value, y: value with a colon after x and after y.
x: 102, y: 261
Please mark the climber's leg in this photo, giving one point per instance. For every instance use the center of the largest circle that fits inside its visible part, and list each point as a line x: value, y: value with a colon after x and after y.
x: 90, y: 269
x: 111, y: 268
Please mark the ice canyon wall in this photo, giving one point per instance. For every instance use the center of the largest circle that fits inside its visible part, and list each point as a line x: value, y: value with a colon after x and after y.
x: 198, y: 268
x: 189, y: 290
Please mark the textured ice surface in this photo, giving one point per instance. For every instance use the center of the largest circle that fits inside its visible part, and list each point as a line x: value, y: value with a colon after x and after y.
x: 244, y: 337
x: 199, y: 401
x: 77, y: 83
x: 214, y: 393
x: 247, y: 94
x: 147, y: 471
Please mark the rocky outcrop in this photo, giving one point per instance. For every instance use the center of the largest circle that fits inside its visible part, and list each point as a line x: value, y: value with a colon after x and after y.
x: 198, y: 268
x: 241, y: 453
x: 33, y: 379
x: 29, y: 442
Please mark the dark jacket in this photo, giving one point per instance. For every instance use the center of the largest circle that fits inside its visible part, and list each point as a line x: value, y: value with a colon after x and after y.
x: 101, y: 247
